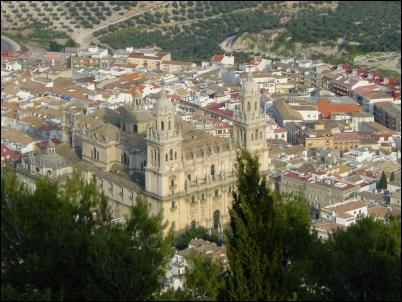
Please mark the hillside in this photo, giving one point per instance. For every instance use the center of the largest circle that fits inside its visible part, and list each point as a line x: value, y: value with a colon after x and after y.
x: 328, y: 29
x: 195, y: 30
x: 37, y: 23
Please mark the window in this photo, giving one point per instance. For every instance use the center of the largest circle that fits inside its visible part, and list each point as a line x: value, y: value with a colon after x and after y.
x: 175, y: 155
x: 121, y: 192
x: 212, y: 169
x: 166, y: 157
x: 189, y: 177
x: 174, y: 206
x: 216, y: 193
x: 202, y: 197
x: 171, y: 154
x: 193, y: 199
x: 169, y: 125
x: 135, y: 129
x: 172, y: 182
x: 124, y: 127
x: 162, y: 125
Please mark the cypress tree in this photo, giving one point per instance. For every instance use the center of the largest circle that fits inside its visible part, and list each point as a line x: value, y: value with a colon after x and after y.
x: 251, y: 266
x: 382, y: 184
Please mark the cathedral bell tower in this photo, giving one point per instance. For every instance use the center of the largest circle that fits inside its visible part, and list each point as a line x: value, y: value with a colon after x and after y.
x: 164, y: 151
x: 249, y: 124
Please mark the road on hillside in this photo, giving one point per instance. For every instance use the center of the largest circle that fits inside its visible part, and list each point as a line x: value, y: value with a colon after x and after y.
x: 84, y: 38
x: 8, y: 44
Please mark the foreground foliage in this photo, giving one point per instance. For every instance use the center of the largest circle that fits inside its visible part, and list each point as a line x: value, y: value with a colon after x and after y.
x: 60, y: 245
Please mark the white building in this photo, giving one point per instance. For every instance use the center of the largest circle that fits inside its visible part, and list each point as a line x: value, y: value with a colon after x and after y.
x: 13, y: 66
x: 345, y: 213
x: 93, y: 51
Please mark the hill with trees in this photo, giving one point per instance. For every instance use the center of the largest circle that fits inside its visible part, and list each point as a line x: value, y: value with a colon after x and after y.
x: 194, y: 29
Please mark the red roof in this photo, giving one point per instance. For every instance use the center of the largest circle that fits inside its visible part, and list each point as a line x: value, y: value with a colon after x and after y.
x: 9, y: 54
x: 217, y: 58
x: 346, y: 68
x: 326, y: 107
x: 361, y: 71
x: 255, y: 61
x: 111, y: 85
x: 56, y: 141
x: 130, y: 76
x: 346, y: 136
x: 43, y: 144
x: 365, y: 89
x: 217, y: 108
x: 8, y: 154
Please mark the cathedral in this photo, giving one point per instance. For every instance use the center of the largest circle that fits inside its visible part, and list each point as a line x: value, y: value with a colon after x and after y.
x: 186, y: 173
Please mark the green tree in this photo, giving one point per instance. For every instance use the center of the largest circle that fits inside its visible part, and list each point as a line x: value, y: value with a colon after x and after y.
x: 58, y: 243
x: 268, y: 238
x: 204, y: 281
x: 54, y: 46
x: 382, y: 183
x: 363, y: 262
x: 203, y: 277
x: 181, y: 242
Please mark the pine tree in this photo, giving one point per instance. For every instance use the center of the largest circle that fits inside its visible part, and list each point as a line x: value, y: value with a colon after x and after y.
x: 57, y: 243
x: 268, y: 235
x: 355, y: 258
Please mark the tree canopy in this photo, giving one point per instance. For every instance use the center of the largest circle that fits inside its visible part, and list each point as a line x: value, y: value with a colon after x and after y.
x: 58, y: 243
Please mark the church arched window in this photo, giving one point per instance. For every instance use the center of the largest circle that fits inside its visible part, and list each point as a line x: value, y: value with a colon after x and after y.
x: 169, y: 125
x: 171, y: 154
x: 248, y: 106
x: 162, y: 125
x: 166, y: 157
x: 175, y: 155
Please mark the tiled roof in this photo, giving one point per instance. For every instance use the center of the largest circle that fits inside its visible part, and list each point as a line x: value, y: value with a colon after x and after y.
x: 8, y: 154
x: 350, y: 206
x: 326, y: 107
x: 346, y: 136
x: 327, y: 225
x: 217, y: 58
x: 378, y: 211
